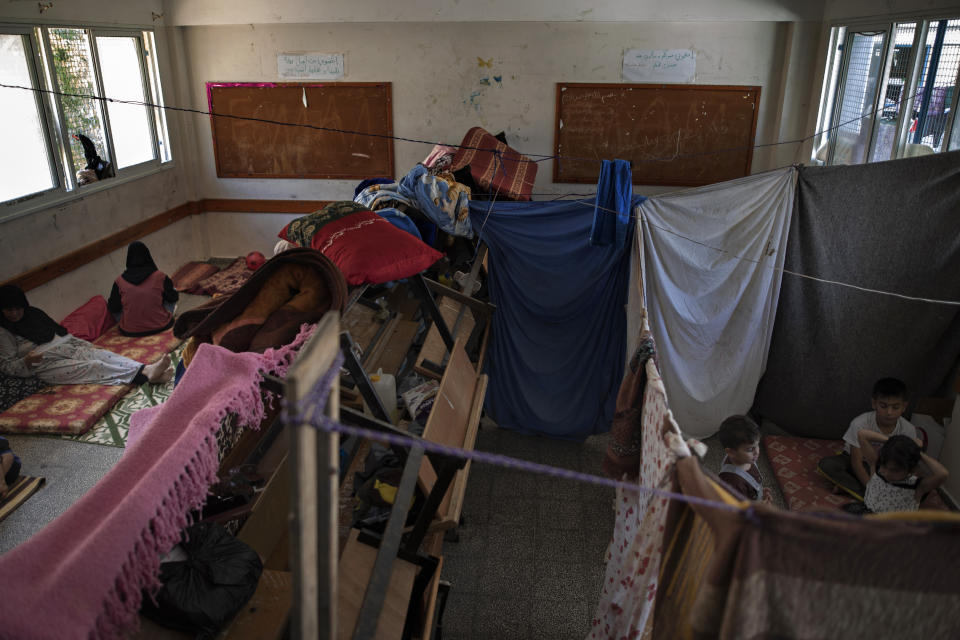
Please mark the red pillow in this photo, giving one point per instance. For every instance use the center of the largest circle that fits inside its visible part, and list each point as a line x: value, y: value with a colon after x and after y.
x: 366, y: 247
x: 91, y: 320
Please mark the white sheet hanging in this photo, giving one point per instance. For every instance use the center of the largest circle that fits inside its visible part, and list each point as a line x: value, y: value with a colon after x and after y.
x: 712, y: 312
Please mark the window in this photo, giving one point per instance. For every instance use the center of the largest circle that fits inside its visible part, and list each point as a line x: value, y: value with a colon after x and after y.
x: 889, y: 92
x: 87, y: 105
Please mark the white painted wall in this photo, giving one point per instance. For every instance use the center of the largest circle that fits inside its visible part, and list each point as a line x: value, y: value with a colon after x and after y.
x: 127, y: 12
x: 232, y: 12
x: 853, y: 9
x: 237, y: 234
x: 170, y: 247
x: 439, y: 90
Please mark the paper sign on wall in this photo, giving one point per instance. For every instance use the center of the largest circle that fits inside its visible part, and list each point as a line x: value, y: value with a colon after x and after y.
x: 310, y: 66
x: 661, y: 65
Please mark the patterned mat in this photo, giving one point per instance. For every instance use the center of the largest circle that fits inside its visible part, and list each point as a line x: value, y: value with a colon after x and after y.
x: 113, y: 427
x: 794, y: 461
x: 20, y: 492
x: 73, y: 409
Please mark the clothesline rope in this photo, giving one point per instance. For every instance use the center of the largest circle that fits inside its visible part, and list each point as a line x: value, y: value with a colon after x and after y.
x: 314, y: 415
x: 316, y: 400
x: 542, y: 157
x: 639, y: 217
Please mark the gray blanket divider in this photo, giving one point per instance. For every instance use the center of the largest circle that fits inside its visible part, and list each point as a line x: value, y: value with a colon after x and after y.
x: 893, y: 226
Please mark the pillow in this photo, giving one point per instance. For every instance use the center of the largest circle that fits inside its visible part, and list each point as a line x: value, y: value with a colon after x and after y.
x: 365, y: 247
x: 91, y: 320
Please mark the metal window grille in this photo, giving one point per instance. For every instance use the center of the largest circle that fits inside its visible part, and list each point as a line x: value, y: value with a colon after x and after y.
x: 73, y: 66
x: 937, y: 84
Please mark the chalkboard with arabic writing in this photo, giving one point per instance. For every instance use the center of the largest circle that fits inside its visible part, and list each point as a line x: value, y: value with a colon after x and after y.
x: 681, y: 135
x: 302, y: 130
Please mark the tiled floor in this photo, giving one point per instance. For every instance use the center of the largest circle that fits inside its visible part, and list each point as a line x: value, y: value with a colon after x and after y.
x: 530, y: 558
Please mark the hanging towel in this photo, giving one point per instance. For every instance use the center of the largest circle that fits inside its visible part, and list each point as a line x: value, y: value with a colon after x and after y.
x: 611, y: 215
x: 711, y: 312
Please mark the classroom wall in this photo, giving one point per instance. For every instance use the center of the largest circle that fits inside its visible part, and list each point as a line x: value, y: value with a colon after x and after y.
x: 443, y: 77
x: 862, y: 9
x: 34, y: 238
x: 227, y: 12
x: 128, y: 12
x: 237, y: 234
x: 170, y: 247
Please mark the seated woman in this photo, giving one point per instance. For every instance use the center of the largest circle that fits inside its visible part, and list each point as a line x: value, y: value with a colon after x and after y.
x: 143, y: 297
x: 32, y: 344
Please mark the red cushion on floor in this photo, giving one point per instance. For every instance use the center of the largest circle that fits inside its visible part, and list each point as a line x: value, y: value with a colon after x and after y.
x: 91, y: 320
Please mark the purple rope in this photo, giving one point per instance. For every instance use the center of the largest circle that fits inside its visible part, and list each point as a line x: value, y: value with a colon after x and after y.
x: 316, y: 399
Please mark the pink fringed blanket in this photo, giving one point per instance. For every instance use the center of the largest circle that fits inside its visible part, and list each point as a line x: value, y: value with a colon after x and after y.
x: 82, y: 575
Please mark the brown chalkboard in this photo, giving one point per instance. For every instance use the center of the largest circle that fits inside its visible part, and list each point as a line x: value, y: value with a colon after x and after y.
x: 252, y: 136
x: 685, y: 135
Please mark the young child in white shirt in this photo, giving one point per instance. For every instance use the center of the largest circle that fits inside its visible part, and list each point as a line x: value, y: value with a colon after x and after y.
x: 740, y: 438
x: 847, y: 470
x: 893, y: 484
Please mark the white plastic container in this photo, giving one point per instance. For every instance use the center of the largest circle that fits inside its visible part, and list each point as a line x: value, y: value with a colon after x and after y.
x: 386, y: 387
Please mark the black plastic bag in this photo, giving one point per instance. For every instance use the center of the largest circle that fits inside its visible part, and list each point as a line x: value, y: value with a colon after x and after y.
x: 202, y: 593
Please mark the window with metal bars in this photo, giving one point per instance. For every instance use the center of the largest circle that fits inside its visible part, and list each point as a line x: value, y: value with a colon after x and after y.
x: 87, y: 106
x: 890, y: 92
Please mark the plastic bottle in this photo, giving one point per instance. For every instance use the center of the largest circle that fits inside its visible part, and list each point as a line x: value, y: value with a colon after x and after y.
x: 385, y: 386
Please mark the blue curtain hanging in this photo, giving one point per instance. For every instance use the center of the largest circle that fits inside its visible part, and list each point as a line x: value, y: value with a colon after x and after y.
x: 556, y: 352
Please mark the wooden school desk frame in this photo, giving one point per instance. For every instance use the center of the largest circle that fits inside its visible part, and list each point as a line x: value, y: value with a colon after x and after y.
x: 674, y: 135
x: 256, y: 134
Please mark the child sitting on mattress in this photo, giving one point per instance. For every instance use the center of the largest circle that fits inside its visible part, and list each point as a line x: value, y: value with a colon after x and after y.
x: 143, y: 298
x: 893, y: 484
x: 847, y: 470
x: 740, y: 438
x: 9, y: 467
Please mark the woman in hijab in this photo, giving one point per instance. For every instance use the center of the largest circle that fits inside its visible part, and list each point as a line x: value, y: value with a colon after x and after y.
x: 33, y: 345
x: 143, y: 297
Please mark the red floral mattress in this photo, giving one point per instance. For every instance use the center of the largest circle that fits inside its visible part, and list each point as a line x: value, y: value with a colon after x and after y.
x: 794, y: 461
x: 74, y: 408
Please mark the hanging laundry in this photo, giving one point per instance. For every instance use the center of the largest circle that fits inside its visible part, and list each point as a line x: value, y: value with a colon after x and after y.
x: 891, y: 226
x: 558, y: 338
x: 614, y: 195
x: 711, y: 260
x: 631, y: 579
